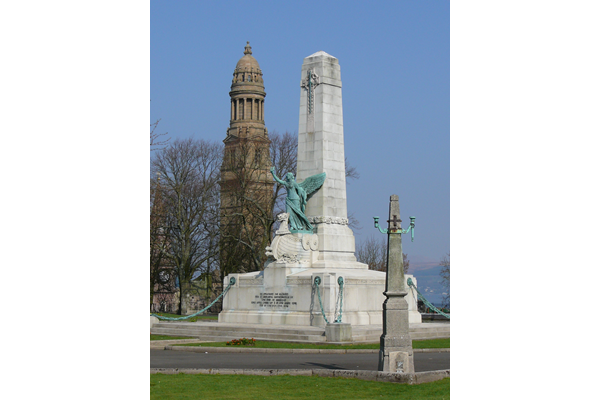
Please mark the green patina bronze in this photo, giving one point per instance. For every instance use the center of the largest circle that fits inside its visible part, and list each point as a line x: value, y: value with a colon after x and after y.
x: 394, y: 227
x: 298, y: 195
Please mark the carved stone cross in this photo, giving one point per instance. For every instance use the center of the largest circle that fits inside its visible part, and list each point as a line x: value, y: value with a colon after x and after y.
x: 309, y: 84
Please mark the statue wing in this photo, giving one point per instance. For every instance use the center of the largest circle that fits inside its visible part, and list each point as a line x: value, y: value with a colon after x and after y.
x: 312, y: 183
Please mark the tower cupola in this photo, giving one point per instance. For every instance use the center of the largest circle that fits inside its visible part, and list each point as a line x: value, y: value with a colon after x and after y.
x: 247, y: 97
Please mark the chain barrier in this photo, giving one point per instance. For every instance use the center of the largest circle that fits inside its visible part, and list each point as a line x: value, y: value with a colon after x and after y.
x: 317, y: 281
x: 337, y: 317
x: 231, y: 283
x: 427, y: 303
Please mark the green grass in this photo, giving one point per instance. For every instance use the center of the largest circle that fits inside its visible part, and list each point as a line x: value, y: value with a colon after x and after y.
x: 417, y: 344
x: 184, y: 386
x: 431, y: 344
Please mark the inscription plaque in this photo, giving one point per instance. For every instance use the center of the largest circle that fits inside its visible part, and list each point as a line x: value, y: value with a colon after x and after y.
x: 274, y: 300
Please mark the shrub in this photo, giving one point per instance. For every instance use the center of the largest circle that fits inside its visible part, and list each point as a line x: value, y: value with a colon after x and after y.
x: 242, y: 342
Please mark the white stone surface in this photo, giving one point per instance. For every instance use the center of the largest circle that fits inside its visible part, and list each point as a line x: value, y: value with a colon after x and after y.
x: 282, y: 294
x: 322, y: 150
x: 320, y: 53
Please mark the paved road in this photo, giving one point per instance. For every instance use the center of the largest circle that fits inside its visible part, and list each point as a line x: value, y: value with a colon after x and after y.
x: 181, y: 359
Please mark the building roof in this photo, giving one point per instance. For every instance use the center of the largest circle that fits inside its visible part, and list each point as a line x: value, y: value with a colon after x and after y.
x: 247, y: 62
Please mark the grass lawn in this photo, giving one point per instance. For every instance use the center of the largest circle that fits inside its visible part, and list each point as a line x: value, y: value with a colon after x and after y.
x: 184, y: 386
x: 417, y: 344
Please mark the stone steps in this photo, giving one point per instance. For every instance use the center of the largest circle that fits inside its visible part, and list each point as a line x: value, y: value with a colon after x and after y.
x: 222, y: 332
x: 212, y: 331
x: 230, y: 335
x: 430, y: 331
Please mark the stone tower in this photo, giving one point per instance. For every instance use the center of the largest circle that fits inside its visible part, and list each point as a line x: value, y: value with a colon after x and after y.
x: 246, y: 184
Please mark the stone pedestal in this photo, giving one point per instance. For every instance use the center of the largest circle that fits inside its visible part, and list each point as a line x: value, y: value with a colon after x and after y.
x: 338, y: 332
x: 400, y: 361
x: 395, y: 341
x: 285, y: 294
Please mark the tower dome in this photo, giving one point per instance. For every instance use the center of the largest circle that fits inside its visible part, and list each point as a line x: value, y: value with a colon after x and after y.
x: 247, y: 61
x: 247, y: 71
x: 247, y: 98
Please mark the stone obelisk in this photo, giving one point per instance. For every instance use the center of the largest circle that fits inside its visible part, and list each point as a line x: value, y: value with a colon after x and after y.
x: 395, y: 351
x: 321, y: 149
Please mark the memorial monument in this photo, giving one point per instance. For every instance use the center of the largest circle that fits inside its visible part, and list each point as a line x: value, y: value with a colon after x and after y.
x: 311, y: 276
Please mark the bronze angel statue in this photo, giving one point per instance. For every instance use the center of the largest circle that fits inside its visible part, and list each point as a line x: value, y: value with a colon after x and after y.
x: 297, y: 196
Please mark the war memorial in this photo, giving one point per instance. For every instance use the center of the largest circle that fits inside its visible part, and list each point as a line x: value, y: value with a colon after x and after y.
x: 314, y: 241
x: 312, y: 283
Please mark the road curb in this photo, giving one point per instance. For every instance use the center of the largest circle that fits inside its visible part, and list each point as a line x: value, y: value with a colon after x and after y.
x: 290, y: 351
x: 379, y: 376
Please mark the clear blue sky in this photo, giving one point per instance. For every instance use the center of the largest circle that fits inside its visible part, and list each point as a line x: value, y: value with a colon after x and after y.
x: 395, y: 64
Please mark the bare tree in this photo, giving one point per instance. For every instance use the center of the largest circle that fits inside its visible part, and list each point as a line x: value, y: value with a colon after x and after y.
x: 284, y: 157
x: 189, y: 171
x: 158, y: 242
x: 351, y: 172
x: 256, y: 198
x: 373, y: 252
x: 247, y: 205
x: 154, y: 137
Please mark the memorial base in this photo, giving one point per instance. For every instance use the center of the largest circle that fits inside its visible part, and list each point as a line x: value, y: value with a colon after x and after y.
x: 285, y: 294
